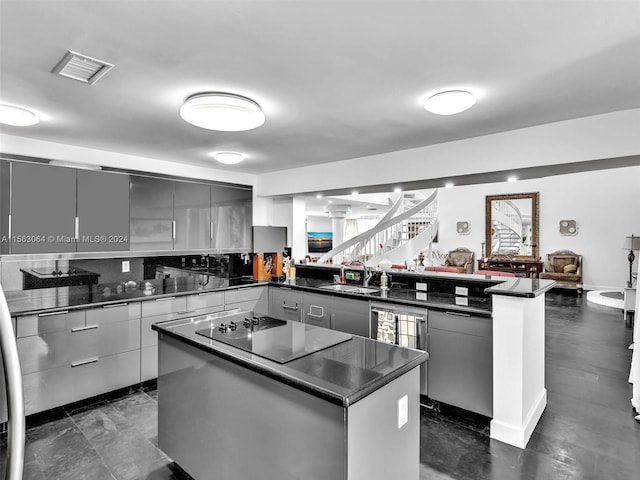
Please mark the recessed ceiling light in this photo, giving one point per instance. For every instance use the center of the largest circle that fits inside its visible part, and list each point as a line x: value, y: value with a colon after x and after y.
x: 319, y: 195
x: 512, y: 179
x: 397, y: 190
x: 448, y: 185
x: 450, y: 102
x: 222, y: 111
x: 17, y: 116
x: 228, y: 158
x: 355, y: 192
x: 330, y: 201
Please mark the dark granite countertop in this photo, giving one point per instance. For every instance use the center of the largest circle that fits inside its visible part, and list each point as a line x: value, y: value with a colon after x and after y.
x: 405, y: 296
x: 341, y: 374
x: 42, y: 300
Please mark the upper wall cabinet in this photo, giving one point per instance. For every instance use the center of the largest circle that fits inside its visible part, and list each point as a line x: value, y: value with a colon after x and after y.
x: 151, y: 213
x: 169, y: 215
x: 5, y: 202
x: 192, y: 215
x: 103, y: 211
x: 231, y: 218
x: 43, y: 208
x: 59, y: 209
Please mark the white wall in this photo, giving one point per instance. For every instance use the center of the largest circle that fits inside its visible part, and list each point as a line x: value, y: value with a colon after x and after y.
x: 604, y: 203
x: 600, y: 136
x: 12, y: 144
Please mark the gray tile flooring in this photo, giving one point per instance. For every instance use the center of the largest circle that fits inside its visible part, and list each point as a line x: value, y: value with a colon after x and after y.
x: 587, y: 431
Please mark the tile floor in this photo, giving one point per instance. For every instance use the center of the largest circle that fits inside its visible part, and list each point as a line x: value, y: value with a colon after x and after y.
x: 586, y: 432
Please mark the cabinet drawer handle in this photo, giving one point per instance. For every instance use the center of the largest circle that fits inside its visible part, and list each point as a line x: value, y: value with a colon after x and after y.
x: 165, y: 299
x: 173, y: 229
x: 185, y: 311
x: 115, y: 305
x: 50, y: 314
x: 76, y: 229
x: 82, y: 329
x: 313, y: 315
x: 84, y: 362
x: 287, y: 307
x: 459, y: 314
x: 207, y: 293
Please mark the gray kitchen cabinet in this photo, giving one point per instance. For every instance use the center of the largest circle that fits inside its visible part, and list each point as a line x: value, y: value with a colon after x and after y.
x: 254, y: 299
x: 285, y: 303
x: 102, y: 211
x: 151, y: 210
x: 231, y: 218
x: 43, y: 208
x: 153, y: 311
x: 5, y: 203
x: 350, y: 316
x: 205, y: 302
x: 69, y: 356
x: 317, y: 309
x: 192, y: 215
x: 461, y: 360
x: 347, y: 315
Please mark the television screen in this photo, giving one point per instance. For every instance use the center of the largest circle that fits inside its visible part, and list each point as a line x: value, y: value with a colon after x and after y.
x: 319, y: 242
x: 269, y: 239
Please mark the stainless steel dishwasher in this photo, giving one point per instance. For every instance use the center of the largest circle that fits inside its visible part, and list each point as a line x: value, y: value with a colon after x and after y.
x: 404, y: 326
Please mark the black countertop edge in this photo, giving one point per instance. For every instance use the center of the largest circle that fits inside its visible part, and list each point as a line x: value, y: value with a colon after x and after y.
x: 498, y: 285
x: 229, y: 353
x: 511, y: 289
x: 115, y: 301
x: 390, y: 298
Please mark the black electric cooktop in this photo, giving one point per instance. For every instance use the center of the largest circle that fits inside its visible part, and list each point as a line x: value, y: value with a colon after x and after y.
x: 277, y: 340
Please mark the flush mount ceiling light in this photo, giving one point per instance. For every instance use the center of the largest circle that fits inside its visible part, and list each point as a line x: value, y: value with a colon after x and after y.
x: 17, y: 116
x: 450, y: 102
x: 228, y: 158
x: 222, y: 111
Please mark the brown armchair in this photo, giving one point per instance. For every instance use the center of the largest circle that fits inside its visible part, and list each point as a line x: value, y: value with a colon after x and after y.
x: 461, y: 259
x: 565, y: 267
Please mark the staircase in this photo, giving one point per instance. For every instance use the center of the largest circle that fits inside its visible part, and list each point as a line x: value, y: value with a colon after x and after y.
x: 506, y: 231
x: 407, y: 229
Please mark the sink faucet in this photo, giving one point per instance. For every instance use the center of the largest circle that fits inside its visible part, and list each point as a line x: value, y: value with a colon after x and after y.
x: 367, y: 273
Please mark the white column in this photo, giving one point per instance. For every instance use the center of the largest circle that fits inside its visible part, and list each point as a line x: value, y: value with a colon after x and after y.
x: 338, y: 214
x: 519, y: 393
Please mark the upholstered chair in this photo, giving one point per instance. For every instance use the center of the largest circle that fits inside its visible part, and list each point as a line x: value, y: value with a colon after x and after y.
x: 565, y: 267
x: 461, y: 259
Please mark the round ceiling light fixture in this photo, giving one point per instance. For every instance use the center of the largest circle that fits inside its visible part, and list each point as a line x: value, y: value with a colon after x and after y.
x: 228, y: 158
x: 224, y: 112
x: 17, y: 116
x: 450, y: 102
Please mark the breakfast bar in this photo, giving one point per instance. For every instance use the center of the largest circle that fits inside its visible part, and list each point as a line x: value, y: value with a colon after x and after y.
x: 231, y: 383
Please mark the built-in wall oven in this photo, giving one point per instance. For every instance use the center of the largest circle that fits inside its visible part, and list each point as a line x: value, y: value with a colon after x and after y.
x: 404, y: 326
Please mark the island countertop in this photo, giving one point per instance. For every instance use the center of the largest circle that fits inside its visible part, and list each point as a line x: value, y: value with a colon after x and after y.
x: 341, y: 374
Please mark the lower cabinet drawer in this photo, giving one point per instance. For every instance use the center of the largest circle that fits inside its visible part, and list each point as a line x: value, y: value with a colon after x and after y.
x: 205, y: 300
x: 49, y: 322
x: 42, y: 352
x: 58, y: 386
x: 148, y: 363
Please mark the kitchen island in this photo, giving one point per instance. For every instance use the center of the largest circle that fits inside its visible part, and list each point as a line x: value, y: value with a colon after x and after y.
x: 270, y: 399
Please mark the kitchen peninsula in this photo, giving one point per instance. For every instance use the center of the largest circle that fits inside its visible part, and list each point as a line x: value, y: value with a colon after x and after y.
x: 298, y: 401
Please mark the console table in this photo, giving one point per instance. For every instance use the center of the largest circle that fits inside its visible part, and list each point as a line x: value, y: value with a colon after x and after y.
x: 521, y: 268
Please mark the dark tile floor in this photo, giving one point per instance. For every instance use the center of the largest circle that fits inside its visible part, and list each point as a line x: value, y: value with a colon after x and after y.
x: 586, y: 432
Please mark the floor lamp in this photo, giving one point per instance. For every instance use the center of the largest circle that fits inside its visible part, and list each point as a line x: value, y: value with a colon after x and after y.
x: 631, y: 243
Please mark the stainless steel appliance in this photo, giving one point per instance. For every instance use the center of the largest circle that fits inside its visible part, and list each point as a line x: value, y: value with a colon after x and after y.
x: 404, y: 326
x: 46, y: 278
x: 278, y: 340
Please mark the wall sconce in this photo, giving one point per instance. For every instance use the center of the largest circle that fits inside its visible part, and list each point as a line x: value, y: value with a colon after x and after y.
x: 568, y: 227
x: 631, y: 243
x: 463, y: 228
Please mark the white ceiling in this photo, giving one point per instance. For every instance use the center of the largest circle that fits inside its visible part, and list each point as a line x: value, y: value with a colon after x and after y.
x: 336, y: 79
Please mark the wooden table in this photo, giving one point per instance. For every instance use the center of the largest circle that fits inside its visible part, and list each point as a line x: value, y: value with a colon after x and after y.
x: 520, y: 267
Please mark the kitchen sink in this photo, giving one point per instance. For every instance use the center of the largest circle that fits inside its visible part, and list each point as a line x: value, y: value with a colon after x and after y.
x: 341, y: 287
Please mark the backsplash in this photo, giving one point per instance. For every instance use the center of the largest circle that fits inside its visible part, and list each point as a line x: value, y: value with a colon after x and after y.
x: 110, y: 269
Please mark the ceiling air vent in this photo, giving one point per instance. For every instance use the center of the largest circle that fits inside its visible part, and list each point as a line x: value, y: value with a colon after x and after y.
x: 80, y: 67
